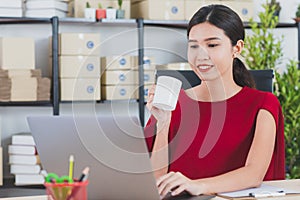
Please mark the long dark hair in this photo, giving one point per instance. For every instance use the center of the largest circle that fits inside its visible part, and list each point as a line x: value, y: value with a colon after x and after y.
x: 227, y: 20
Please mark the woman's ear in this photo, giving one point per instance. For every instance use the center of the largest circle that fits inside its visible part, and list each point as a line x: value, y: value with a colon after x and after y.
x: 237, y: 49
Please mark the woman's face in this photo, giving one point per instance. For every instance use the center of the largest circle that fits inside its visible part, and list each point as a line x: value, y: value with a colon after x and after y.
x: 210, y: 52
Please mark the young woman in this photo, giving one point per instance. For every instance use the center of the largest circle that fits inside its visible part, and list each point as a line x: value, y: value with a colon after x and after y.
x: 224, y: 135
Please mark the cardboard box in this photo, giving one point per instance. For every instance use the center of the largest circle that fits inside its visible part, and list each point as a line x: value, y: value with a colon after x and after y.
x: 158, y: 9
x: 79, y: 67
x: 245, y: 9
x: 79, y: 44
x: 76, y: 7
x: 174, y: 66
x: 147, y: 87
x: 149, y: 76
x: 80, y: 89
x: 17, y: 53
x: 23, y: 89
x: 148, y: 62
x: 119, y: 92
x: 119, y: 77
x: 116, y: 63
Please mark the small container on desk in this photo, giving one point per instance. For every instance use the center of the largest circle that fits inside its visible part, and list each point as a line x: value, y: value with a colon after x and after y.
x: 67, y: 191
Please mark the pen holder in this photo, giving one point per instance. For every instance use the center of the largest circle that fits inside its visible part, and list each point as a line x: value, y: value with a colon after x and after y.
x: 67, y: 191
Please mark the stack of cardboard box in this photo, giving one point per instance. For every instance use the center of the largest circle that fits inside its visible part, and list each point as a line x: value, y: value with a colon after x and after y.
x: 184, y: 10
x: 120, y: 77
x: 149, y: 74
x: 79, y: 70
x: 118, y: 80
x: 19, y: 79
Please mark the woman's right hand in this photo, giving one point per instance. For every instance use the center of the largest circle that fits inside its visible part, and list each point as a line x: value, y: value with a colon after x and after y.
x: 163, y: 117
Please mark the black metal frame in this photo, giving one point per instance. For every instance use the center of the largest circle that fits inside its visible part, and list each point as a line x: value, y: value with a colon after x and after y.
x: 55, y: 100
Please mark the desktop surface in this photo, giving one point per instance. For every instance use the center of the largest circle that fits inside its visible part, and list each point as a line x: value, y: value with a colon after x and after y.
x: 21, y: 192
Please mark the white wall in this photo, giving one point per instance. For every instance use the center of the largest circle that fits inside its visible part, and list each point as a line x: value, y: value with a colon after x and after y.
x: 116, y: 41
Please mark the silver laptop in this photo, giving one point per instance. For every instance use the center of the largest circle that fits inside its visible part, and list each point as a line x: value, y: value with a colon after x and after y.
x: 112, y: 146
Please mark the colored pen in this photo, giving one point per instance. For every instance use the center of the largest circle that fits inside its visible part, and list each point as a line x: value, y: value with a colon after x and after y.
x: 71, y: 166
x: 84, y: 174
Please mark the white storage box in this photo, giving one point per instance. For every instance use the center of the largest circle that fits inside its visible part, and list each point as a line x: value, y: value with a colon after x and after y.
x: 47, y: 4
x: 79, y: 67
x: 17, y: 53
x: 80, y: 89
x: 11, y: 3
x: 45, y: 13
x: 119, y: 92
x: 46, y: 8
x: 116, y: 63
x: 76, y: 7
x: 158, y: 9
x: 245, y: 9
x: 79, y: 44
x: 11, y: 12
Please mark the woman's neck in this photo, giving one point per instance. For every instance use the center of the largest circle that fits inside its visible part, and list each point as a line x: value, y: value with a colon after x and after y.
x: 213, y: 92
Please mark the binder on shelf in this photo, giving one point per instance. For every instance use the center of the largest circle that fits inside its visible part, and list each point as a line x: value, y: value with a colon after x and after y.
x: 24, y: 159
x: 22, y: 139
x: 22, y: 149
x: 25, y: 169
x: 29, y: 179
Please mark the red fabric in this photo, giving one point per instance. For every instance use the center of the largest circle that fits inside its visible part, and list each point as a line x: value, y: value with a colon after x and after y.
x: 207, y: 139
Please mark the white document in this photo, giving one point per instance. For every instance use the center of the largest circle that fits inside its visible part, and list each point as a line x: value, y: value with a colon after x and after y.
x: 263, y: 190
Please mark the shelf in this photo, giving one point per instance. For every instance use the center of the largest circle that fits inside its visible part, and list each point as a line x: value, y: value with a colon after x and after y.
x: 23, y: 20
x: 167, y: 23
x: 27, y: 103
x: 102, y: 21
x: 184, y: 24
x: 54, y: 85
x: 139, y: 23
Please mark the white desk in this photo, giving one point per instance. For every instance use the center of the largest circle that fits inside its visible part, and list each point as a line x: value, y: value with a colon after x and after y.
x: 293, y: 184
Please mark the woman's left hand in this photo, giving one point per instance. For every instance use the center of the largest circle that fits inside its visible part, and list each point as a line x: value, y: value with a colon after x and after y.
x: 176, y: 182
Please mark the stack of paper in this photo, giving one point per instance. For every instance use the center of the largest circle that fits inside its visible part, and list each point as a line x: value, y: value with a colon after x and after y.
x: 24, y: 85
x: 46, y: 8
x: 19, y: 78
x: 264, y: 190
x: 11, y: 8
x: 24, y: 160
x: 43, y: 89
x: 5, y: 85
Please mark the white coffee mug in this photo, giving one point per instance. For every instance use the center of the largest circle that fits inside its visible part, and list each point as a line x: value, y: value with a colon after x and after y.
x: 166, y: 92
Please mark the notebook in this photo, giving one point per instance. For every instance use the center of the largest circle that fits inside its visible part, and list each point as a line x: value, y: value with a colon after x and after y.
x: 112, y: 146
